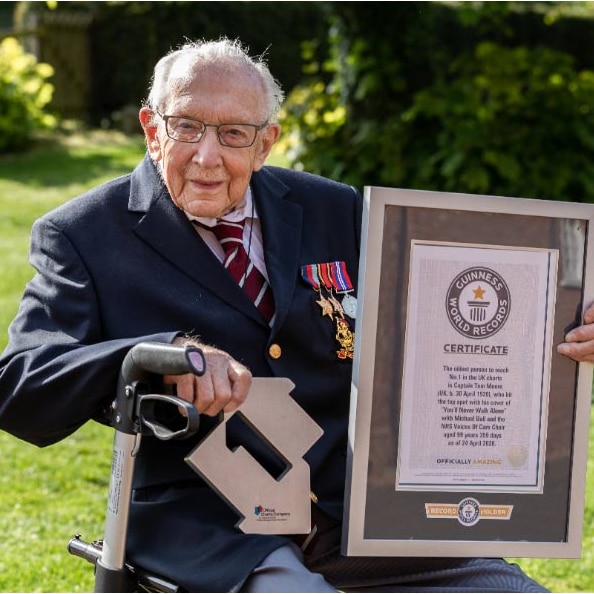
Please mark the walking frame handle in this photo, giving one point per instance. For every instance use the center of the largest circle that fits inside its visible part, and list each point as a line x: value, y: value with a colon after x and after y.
x: 161, y: 358
x: 134, y: 413
x: 134, y: 410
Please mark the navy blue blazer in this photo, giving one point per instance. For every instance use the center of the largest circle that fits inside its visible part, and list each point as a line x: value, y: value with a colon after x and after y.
x: 121, y: 264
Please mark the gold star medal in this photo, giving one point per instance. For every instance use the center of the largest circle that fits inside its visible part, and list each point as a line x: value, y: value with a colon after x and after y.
x: 336, y: 305
x: 309, y: 273
x: 328, y: 281
x: 326, y: 305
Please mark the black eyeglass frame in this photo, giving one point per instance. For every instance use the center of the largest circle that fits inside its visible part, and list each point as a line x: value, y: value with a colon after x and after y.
x: 256, y: 127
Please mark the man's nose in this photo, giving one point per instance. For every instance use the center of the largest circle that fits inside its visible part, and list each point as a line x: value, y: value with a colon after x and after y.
x: 208, y: 150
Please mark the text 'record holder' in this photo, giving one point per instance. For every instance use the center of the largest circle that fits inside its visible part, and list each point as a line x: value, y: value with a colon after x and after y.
x: 468, y: 433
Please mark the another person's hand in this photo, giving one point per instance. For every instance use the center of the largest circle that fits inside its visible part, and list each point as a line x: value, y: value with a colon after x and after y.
x: 579, y: 342
x: 223, y: 387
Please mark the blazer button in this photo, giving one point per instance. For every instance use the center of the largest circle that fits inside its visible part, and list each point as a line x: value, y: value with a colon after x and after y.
x: 275, y: 351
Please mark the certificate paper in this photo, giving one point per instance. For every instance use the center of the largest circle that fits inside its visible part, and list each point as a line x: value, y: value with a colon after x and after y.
x: 476, y: 371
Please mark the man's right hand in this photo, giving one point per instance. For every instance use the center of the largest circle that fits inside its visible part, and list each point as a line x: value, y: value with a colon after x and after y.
x: 223, y: 387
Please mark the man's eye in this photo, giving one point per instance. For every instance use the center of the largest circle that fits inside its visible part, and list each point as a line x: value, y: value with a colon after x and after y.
x: 237, y: 132
x: 186, y: 126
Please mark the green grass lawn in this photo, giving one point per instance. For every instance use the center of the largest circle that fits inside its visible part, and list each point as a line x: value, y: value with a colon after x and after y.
x: 47, y: 495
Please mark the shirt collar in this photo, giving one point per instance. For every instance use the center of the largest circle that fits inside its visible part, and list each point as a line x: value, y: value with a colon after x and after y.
x: 244, y: 210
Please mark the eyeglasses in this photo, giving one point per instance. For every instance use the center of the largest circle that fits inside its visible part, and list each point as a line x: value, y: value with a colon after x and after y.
x: 191, y: 130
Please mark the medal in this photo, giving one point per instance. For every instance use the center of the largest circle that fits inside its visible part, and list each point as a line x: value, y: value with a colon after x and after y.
x: 332, y: 278
x: 342, y: 284
x: 326, y: 305
x: 325, y: 276
x: 309, y: 273
x: 336, y: 305
x: 345, y: 338
x: 349, y: 304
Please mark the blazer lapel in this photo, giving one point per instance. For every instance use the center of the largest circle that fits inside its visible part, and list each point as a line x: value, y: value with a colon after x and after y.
x: 282, y: 231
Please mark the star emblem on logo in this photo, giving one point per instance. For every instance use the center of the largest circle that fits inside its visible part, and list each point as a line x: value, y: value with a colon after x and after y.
x: 479, y: 292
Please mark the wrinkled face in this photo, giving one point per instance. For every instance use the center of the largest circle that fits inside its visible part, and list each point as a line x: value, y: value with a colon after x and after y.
x: 207, y: 179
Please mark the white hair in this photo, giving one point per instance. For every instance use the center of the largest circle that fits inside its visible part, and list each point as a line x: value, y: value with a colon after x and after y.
x: 224, y: 52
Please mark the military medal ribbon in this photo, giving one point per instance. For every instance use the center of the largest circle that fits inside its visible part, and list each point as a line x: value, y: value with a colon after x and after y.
x: 333, y: 277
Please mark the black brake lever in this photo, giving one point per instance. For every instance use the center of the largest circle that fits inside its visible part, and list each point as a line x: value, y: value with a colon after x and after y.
x: 148, y: 418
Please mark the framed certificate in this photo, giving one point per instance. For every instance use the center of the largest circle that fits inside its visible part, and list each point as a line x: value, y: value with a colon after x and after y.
x: 468, y: 432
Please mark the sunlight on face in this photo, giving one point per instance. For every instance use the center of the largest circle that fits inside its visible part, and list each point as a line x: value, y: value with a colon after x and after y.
x: 207, y: 179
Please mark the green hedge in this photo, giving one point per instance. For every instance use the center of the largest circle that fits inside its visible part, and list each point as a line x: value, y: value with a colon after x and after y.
x: 24, y: 93
x: 489, y: 97
x: 460, y: 100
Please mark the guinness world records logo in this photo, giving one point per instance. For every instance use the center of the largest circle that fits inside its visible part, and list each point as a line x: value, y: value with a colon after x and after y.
x: 469, y: 511
x: 478, y: 302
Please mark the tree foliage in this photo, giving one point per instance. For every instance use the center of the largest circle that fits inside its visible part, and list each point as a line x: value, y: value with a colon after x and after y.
x: 508, y: 121
x: 24, y: 93
x: 497, y: 114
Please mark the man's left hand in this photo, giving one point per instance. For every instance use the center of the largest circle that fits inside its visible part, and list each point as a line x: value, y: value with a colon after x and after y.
x: 579, y: 342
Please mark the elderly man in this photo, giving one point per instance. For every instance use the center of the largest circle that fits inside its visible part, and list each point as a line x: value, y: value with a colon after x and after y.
x: 143, y: 258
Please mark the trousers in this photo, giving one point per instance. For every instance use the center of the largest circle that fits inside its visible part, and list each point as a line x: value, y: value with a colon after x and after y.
x: 284, y: 570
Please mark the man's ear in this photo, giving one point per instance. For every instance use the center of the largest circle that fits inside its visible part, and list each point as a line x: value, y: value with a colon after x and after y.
x: 270, y: 135
x: 150, y: 127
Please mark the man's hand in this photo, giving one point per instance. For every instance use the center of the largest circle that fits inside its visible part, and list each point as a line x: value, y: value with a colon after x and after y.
x: 223, y: 387
x: 579, y: 342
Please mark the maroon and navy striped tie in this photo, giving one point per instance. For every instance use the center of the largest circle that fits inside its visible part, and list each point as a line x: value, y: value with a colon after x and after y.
x: 242, y: 269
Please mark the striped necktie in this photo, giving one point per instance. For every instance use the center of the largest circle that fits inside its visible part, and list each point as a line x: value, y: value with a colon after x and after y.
x: 242, y: 269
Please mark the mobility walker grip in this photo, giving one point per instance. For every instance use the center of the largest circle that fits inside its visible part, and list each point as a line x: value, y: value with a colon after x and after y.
x: 134, y: 414
x: 160, y: 358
